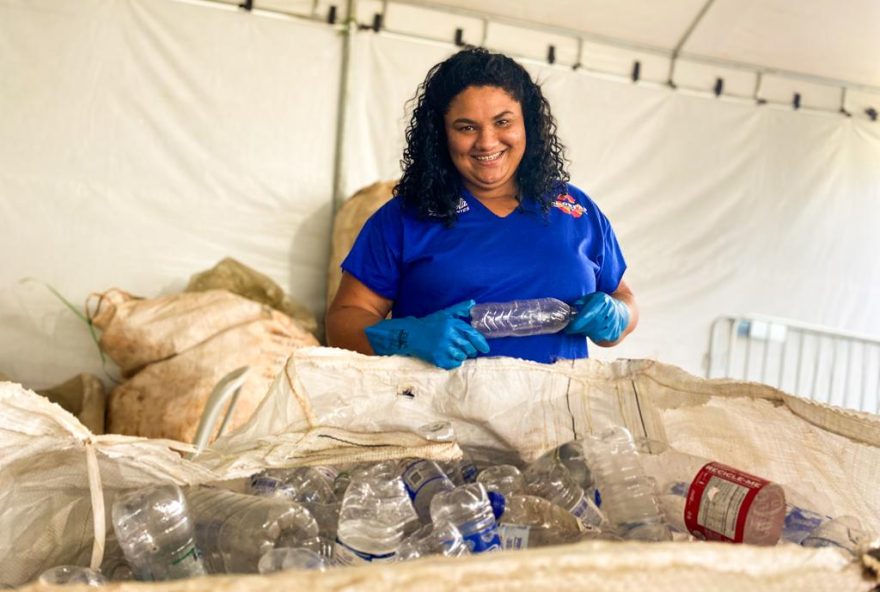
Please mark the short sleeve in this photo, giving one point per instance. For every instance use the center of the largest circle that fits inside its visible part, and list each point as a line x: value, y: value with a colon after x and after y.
x: 612, y: 264
x: 375, y: 258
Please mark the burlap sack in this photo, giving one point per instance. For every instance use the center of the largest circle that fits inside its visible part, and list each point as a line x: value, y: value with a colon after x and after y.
x: 84, y: 397
x: 236, y: 277
x: 136, y: 331
x: 347, y: 224
x: 166, y: 399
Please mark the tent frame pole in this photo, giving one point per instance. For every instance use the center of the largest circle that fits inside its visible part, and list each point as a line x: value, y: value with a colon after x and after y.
x: 684, y: 39
x: 342, y: 106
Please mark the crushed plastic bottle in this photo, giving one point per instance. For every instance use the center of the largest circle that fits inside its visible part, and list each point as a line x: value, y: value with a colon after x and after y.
x: 376, y: 516
x: 467, y: 508
x: 844, y: 533
x: 461, y: 471
x: 628, y: 495
x: 72, y: 575
x: 571, y: 456
x: 154, y: 528
x: 442, y: 539
x: 549, y: 479
x: 234, y: 530
x: 438, y: 431
x: 301, y: 484
x: 504, y: 479
x: 288, y: 558
x: 424, y: 479
x: 520, y: 318
x: 528, y: 521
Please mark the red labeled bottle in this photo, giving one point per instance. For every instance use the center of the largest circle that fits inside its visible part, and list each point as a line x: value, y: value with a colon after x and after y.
x: 727, y: 504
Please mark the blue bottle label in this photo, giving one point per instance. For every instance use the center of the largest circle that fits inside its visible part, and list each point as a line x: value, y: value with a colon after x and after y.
x: 350, y: 556
x: 483, y: 541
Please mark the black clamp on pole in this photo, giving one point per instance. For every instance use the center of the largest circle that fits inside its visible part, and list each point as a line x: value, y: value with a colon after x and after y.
x: 636, y: 71
x: 871, y: 113
x: 247, y: 5
x: 551, y: 54
x: 377, y: 22
x: 796, y: 101
x: 459, y: 37
x: 331, y: 15
x: 719, y: 87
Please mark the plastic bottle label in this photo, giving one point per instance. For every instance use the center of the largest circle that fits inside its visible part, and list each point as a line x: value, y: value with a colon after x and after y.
x: 514, y: 536
x: 718, y: 502
x: 586, y: 513
x: 345, y: 555
x: 414, y: 479
x: 264, y: 485
x: 188, y: 564
x: 483, y: 541
x: 469, y: 472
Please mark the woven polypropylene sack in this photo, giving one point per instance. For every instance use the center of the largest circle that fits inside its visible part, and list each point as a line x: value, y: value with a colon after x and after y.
x: 54, y: 472
x: 528, y: 408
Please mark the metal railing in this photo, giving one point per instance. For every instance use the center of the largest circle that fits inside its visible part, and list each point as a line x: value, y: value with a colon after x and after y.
x: 811, y: 361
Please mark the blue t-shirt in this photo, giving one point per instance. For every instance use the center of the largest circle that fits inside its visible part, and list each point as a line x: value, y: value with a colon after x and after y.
x: 423, y: 266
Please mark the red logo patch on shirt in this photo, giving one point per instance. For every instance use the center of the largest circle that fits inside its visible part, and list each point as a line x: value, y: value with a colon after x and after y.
x: 567, y: 204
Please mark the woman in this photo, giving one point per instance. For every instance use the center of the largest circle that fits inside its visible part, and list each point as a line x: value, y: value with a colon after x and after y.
x: 483, y: 213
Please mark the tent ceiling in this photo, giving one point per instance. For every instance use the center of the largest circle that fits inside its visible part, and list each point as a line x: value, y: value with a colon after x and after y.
x: 823, y: 38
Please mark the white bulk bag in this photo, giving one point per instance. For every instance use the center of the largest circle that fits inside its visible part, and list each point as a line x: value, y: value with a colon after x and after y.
x: 326, y: 403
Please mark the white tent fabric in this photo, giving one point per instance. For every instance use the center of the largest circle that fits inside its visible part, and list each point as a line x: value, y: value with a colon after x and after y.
x: 823, y: 38
x: 143, y: 140
x: 719, y: 205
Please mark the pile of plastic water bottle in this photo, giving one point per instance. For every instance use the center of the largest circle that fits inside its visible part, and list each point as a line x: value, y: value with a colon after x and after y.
x: 320, y: 517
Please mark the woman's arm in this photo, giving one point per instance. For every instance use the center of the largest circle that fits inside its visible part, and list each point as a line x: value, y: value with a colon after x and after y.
x: 625, y: 295
x: 354, y: 308
x: 605, y: 318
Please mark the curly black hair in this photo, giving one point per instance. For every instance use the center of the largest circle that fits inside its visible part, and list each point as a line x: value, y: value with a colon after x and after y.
x: 430, y: 185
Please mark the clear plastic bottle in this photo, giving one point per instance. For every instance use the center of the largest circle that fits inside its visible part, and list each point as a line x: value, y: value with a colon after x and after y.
x: 234, y: 529
x: 285, y: 558
x: 72, y: 574
x: 461, y: 471
x: 571, y: 456
x: 628, y: 496
x: 424, y: 479
x: 154, y: 528
x: 310, y: 486
x: 301, y: 484
x: 844, y: 533
x: 504, y: 479
x: 712, y: 501
x: 520, y: 318
x: 442, y: 539
x: 549, y: 479
x: 467, y: 508
x: 528, y: 521
x: 376, y: 516
x: 798, y: 524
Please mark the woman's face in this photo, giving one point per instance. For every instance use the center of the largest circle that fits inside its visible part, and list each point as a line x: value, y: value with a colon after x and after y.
x: 486, y: 136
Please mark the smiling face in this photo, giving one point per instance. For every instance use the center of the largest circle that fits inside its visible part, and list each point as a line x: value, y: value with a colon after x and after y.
x: 486, y: 136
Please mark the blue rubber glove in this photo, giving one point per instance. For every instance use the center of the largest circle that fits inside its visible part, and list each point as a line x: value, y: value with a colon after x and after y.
x: 442, y: 338
x: 600, y: 317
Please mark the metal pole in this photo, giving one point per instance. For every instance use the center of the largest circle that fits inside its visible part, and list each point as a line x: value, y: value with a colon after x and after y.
x: 342, y: 110
x: 677, y: 49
